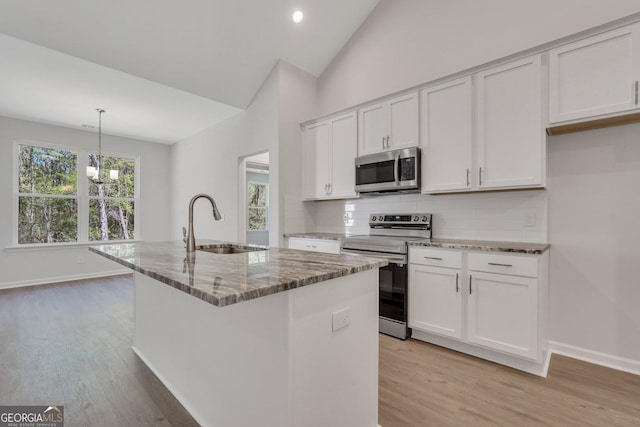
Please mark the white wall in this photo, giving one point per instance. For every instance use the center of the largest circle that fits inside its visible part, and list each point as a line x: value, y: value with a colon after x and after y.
x: 35, y: 266
x: 297, y: 104
x: 409, y: 42
x: 208, y: 162
x: 478, y: 216
x: 594, y: 230
x: 594, y: 259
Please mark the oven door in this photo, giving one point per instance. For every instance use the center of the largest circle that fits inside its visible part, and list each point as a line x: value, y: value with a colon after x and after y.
x: 393, y: 302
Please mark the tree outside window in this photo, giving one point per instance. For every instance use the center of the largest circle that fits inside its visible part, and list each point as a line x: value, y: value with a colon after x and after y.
x: 111, y: 204
x: 47, y: 195
x: 54, y: 206
x: 257, y: 206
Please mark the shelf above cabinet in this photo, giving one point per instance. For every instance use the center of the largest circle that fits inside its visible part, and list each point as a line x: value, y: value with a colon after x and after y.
x: 593, y: 124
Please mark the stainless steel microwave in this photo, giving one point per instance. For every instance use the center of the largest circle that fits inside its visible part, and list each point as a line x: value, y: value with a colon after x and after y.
x: 390, y: 171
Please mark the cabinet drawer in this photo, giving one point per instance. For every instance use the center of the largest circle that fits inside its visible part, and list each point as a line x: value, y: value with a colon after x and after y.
x: 315, y: 245
x: 504, y: 264
x: 435, y: 257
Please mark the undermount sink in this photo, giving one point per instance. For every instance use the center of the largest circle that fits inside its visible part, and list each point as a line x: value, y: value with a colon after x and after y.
x: 229, y: 249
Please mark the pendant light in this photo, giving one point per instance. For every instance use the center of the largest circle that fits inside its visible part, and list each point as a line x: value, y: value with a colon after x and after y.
x: 93, y: 172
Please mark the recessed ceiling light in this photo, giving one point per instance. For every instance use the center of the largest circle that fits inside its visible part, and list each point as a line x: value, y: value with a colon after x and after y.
x: 297, y: 16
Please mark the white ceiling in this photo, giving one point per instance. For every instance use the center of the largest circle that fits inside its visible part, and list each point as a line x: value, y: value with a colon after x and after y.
x: 162, y: 69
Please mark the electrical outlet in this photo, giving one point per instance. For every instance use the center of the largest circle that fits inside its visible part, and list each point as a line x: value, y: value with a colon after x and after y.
x: 341, y: 318
x: 530, y: 219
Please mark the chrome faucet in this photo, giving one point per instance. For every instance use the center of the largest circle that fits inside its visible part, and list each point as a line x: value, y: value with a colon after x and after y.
x: 191, y: 239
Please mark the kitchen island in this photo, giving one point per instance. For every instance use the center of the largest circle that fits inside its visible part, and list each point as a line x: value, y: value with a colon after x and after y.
x: 273, y: 337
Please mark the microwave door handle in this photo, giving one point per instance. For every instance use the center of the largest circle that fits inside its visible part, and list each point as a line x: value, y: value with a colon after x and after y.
x: 395, y: 170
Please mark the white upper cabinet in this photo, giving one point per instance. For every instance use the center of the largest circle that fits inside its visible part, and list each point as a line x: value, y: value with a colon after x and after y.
x: 447, y: 129
x: 328, y: 152
x: 504, y: 147
x: 344, y: 134
x: 510, y: 131
x: 315, y: 159
x: 595, y: 76
x: 389, y: 125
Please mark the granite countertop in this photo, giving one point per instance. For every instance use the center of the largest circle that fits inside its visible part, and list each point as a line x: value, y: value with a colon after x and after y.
x: 485, y: 245
x: 325, y: 236
x: 475, y: 245
x: 232, y: 278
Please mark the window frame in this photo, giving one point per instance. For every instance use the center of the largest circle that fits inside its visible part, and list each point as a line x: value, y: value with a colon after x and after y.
x: 265, y: 207
x: 82, y: 195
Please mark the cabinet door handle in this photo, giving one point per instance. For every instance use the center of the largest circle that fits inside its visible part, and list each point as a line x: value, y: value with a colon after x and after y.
x: 470, y: 285
x: 636, y: 92
x: 433, y: 257
x: 329, y: 186
x: 500, y: 265
x: 480, y: 176
x: 383, y: 138
x: 468, y: 177
x: 457, y: 288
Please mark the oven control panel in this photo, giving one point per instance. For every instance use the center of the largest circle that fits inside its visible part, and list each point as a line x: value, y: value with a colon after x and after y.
x: 400, y: 219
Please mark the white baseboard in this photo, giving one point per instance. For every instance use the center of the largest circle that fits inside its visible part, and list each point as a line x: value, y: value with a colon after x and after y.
x: 539, y: 368
x: 595, y: 357
x: 60, y: 279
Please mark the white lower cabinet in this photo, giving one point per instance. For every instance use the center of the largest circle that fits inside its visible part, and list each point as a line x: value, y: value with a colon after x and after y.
x: 315, y: 245
x: 503, y: 313
x: 435, y: 302
x: 490, y: 302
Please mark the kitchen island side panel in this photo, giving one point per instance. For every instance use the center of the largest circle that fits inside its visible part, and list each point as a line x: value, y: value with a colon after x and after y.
x: 273, y: 361
x: 226, y: 365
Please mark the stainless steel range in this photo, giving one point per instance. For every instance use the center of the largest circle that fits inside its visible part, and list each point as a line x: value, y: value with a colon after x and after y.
x: 388, y: 237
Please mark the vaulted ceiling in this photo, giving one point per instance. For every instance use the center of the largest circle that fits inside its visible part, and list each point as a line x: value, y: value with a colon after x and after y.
x: 162, y: 69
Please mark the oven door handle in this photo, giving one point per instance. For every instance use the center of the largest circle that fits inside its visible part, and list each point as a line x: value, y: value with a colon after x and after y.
x: 393, y: 259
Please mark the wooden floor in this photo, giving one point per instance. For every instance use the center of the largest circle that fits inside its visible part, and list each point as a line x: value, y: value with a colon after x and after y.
x: 426, y: 385
x: 70, y: 344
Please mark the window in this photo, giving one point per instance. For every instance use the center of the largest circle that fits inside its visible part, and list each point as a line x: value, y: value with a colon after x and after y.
x: 111, y: 204
x: 257, y: 206
x: 48, y: 195
x: 57, y: 204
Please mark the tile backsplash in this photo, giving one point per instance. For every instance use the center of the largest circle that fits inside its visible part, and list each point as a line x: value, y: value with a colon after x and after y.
x: 516, y: 216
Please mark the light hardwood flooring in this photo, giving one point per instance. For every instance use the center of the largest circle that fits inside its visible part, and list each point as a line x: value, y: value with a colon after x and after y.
x: 426, y: 385
x: 70, y: 344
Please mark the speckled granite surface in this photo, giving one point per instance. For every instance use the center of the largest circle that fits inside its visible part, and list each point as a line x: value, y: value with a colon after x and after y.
x: 325, y: 236
x: 232, y: 278
x: 476, y: 245
x: 482, y: 245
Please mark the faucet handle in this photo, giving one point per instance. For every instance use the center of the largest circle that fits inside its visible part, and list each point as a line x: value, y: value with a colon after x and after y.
x: 184, y: 234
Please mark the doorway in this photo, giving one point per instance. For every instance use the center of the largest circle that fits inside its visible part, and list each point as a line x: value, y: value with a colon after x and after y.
x: 256, y: 199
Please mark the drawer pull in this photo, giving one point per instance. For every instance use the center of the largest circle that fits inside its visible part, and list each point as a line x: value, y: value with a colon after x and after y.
x: 500, y: 265
x: 433, y: 257
x: 470, y: 285
x: 457, y: 289
x: 311, y: 246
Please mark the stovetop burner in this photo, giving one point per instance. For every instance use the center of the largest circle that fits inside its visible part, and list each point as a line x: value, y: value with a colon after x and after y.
x: 391, y: 232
